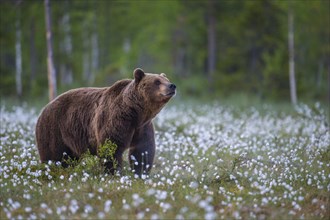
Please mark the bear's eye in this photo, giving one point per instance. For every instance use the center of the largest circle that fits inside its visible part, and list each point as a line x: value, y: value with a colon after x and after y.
x: 157, y: 82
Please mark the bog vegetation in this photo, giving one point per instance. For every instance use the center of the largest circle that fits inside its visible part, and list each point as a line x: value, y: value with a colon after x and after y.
x: 212, y: 162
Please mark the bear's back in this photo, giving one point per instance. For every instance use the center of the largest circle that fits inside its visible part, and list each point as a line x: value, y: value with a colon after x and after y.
x: 118, y: 87
x: 87, y: 97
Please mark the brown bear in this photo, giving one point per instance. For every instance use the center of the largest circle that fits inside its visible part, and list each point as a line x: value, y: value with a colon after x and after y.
x: 83, y: 119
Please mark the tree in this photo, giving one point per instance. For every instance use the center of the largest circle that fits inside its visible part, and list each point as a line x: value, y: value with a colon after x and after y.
x: 50, y: 62
x: 293, y: 91
x: 18, y: 50
x: 211, y: 39
x: 66, y: 73
x: 33, y: 49
x: 228, y: 46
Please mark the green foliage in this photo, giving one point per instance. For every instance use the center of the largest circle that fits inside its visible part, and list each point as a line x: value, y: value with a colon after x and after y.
x: 275, y: 83
x: 108, y: 39
x: 196, y: 86
x: 93, y: 164
x: 88, y: 163
x: 107, y: 152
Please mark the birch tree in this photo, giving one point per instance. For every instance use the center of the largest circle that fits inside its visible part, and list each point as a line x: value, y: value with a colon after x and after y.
x: 50, y: 62
x: 94, y: 48
x: 67, y: 48
x: 293, y: 91
x: 211, y: 40
x: 86, y: 65
x: 33, y: 53
x: 18, y: 51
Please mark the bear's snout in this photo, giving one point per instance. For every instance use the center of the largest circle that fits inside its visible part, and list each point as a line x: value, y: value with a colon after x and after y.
x: 171, y: 90
x: 172, y: 86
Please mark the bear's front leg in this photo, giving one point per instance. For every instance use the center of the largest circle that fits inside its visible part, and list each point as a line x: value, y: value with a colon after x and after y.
x: 142, y: 151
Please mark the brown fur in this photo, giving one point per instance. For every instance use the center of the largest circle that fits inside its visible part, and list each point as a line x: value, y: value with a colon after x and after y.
x: 82, y: 119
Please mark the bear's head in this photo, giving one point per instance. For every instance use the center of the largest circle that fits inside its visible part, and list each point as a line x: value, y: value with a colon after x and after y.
x: 155, y: 89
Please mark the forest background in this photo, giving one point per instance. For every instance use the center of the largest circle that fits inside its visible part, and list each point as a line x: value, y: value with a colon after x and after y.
x: 208, y: 48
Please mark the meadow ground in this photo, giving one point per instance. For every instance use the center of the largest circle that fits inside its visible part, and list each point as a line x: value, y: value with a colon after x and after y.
x: 212, y: 162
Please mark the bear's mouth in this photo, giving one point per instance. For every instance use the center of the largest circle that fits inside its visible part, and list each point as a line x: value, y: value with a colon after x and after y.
x: 169, y: 94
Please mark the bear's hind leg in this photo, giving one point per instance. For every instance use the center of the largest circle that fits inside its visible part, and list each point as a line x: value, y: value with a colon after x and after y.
x: 48, y: 139
x: 55, y: 151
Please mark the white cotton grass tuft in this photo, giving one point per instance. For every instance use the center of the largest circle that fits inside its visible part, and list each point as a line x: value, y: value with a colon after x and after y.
x: 216, y: 161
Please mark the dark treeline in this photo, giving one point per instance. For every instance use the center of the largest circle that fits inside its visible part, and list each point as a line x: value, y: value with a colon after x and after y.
x: 217, y: 47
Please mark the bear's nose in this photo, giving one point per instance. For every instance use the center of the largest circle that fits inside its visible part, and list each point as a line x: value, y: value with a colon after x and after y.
x: 172, y: 86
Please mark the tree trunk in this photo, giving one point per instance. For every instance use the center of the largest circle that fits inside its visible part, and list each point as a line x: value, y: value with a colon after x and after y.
x: 18, y: 50
x: 50, y: 62
x: 293, y: 91
x: 86, y: 54
x: 211, y: 40
x: 33, y: 55
x: 95, y: 48
x: 95, y: 56
x: 66, y: 46
x: 66, y: 73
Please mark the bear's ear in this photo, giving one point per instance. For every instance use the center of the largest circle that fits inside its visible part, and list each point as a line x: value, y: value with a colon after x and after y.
x: 138, y: 75
x: 163, y: 75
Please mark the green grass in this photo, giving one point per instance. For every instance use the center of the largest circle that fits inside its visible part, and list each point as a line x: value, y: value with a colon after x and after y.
x: 212, y: 161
